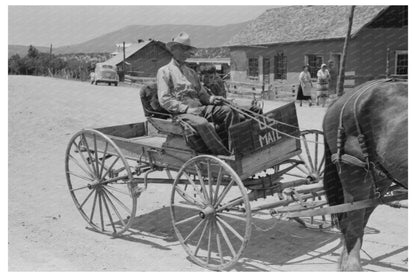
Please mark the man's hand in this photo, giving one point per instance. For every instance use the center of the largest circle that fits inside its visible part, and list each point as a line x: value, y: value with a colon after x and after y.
x: 195, y: 111
x: 217, y: 100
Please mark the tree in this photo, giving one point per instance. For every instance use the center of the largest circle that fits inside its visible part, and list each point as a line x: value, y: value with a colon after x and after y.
x: 15, y: 64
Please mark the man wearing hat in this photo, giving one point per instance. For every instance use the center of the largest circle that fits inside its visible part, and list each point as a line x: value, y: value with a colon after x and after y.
x: 181, y: 93
x: 323, y: 84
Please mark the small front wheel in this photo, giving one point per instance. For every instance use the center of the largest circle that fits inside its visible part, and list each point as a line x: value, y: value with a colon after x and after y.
x: 211, y: 212
x: 100, y: 182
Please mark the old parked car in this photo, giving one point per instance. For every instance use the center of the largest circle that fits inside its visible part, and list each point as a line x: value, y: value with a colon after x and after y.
x: 105, y: 73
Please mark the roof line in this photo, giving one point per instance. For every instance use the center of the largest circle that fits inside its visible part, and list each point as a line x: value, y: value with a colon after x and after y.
x: 263, y: 45
x: 369, y: 22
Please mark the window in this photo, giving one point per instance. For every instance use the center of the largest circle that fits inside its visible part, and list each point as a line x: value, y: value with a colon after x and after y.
x: 314, y: 63
x: 401, y: 62
x: 253, y: 67
x: 280, y: 66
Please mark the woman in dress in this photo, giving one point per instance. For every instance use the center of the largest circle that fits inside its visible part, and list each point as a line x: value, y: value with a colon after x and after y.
x: 323, y: 85
x: 305, y: 86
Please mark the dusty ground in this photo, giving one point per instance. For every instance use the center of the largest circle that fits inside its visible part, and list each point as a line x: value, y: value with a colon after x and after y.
x: 46, y: 232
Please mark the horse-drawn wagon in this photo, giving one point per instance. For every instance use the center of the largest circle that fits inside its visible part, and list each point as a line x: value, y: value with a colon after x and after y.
x: 274, y: 167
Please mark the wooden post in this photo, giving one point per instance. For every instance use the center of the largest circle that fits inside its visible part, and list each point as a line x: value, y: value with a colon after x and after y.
x: 124, y: 56
x: 50, y: 60
x: 341, y: 75
x: 388, y: 63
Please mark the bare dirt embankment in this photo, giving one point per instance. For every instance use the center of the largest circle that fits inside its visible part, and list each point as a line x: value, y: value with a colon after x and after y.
x: 46, y: 232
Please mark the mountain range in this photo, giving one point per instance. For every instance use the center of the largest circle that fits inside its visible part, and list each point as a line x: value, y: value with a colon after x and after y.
x: 202, y: 36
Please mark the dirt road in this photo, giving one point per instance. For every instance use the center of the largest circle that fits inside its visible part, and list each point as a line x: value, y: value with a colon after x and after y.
x: 46, y: 232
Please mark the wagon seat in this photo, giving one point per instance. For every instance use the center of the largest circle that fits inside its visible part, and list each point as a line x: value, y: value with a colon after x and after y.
x: 165, y: 122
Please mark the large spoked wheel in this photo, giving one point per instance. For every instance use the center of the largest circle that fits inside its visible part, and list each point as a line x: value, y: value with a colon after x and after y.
x: 100, y: 182
x: 308, y: 165
x: 211, y: 212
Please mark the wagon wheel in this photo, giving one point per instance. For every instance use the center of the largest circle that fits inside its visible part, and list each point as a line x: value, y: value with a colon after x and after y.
x: 100, y: 182
x: 309, y: 165
x: 211, y: 212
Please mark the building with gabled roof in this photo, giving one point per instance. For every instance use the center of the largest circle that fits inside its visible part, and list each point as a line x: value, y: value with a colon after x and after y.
x: 274, y: 47
x: 142, y: 59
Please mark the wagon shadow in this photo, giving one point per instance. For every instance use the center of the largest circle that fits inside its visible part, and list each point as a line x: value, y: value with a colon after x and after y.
x: 281, y: 244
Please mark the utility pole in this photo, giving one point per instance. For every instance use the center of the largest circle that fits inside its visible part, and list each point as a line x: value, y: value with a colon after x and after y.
x: 341, y: 76
x: 388, y: 63
x: 50, y: 61
x: 124, y: 58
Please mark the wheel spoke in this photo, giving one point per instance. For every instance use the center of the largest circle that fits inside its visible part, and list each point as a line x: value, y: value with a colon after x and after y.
x: 93, y: 206
x: 209, y: 242
x: 217, y: 235
x: 110, y: 168
x: 219, y: 182
x: 195, y: 187
x: 188, y: 198
x: 79, y: 176
x: 321, y: 164
x: 316, y: 150
x: 210, y: 181
x: 86, y: 199
x: 308, y: 154
x: 298, y: 166
x: 83, y: 169
x: 187, y: 219
x: 230, y: 204
x: 227, y: 239
x: 201, y: 181
x: 223, y: 222
x: 101, y: 211
x: 109, y: 214
x: 83, y: 187
x: 223, y: 193
x: 96, y: 156
x: 233, y: 216
x: 194, y: 230
x: 305, y: 165
x: 118, y: 190
x: 103, y: 158
x: 114, y: 208
x: 200, y: 238
x: 118, y: 201
x: 295, y: 175
x: 83, y: 158
x: 185, y: 206
x: 89, y: 154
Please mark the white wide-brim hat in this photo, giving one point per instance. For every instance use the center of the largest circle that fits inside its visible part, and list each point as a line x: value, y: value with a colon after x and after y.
x: 182, y: 39
x: 323, y: 65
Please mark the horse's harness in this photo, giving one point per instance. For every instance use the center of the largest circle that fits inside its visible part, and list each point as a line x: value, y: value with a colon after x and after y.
x: 370, y: 165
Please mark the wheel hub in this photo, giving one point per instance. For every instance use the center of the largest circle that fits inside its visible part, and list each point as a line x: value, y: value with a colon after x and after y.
x: 208, y: 211
x: 94, y: 184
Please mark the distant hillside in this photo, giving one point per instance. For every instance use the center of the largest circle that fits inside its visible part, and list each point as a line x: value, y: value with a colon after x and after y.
x: 201, y: 36
x: 21, y: 50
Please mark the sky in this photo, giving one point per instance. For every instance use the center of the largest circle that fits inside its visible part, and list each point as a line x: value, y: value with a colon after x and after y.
x: 66, y: 25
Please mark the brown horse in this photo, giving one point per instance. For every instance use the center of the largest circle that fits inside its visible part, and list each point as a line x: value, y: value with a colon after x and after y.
x: 365, y: 156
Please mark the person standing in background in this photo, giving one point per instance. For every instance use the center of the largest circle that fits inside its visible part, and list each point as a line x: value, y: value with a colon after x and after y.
x: 323, y: 84
x: 305, y: 86
x: 333, y: 72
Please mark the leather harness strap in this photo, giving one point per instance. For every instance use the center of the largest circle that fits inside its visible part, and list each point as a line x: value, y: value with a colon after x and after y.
x: 341, y: 157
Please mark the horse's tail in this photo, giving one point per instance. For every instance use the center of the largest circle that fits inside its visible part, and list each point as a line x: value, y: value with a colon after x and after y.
x: 332, y: 181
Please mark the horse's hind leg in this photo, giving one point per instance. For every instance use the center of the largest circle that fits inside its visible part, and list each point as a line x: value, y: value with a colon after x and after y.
x: 356, y: 186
